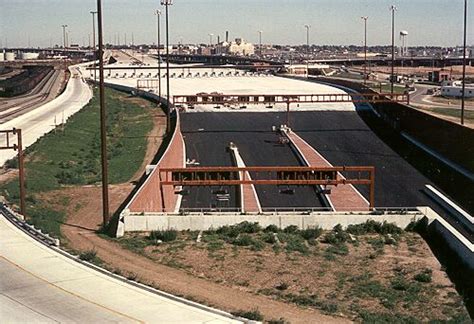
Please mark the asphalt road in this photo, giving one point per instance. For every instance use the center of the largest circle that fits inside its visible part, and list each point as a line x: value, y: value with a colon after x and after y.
x: 207, y: 135
x: 341, y: 137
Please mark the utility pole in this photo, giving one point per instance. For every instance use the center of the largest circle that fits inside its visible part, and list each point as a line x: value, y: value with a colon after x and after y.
x: 365, y: 48
x: 103, y: 121
x: 392, y: 77
x: 260, y: 42
x: 167, y: 3
x: 64, y: 36
x: 21, y: 167
x: 93, y: 13
x: 158, y: 14
x: 463, y: 98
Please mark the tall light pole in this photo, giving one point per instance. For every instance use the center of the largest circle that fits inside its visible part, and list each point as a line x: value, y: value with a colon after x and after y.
x: 93, y: 13
x: 463, y: 95
x: 158, y: 25
x: 260, y: 42
x: 365, y: 48
x: 167, y: 3
x: 308, y: 27
x: 103, y: 120
x: 392, y: 77
x: 64, y: 36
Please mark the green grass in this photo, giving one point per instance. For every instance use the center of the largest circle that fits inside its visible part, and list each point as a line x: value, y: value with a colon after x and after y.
x: 453, y: 112
x: 71, y: 156
x: 387, y: 88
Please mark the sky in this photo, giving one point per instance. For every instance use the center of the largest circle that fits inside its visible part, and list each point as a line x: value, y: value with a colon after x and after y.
x: 333, y: 22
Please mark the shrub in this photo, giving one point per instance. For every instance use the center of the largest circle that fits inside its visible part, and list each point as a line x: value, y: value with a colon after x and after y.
x: 165, y: 236
x: 243, y: 240
x: 271, y: 229
x: 269, y: 238
x: 281, y: 320
x: 373, y: 227
x: 424, y: 276
x: 399, y: 283
x: 296, y: 243
x: 337, y: 249
x: 311, y: 233
x: 228, y: 231
x: 253, y: 315
x: 291, y: 229
x: 247, y: 227
x: 282, y: 286
x: 88, y: 255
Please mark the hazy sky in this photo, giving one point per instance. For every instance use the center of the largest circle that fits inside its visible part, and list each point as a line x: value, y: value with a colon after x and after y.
x: 429, y: 22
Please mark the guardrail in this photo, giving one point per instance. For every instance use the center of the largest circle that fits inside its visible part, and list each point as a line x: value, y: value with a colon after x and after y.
x: 27, y: 228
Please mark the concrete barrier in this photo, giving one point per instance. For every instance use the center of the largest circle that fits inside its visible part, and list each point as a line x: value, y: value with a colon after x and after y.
x: 201, y: 222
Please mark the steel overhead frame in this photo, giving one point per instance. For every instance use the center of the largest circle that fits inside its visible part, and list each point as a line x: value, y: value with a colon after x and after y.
x: 216, y: 98
x: 17, y: 147
x: 279, y: 176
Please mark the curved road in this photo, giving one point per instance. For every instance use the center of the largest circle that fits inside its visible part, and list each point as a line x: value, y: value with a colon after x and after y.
x: 38, y: 284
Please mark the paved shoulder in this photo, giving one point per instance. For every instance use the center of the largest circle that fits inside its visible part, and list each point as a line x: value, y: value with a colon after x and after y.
x: 38, y: 284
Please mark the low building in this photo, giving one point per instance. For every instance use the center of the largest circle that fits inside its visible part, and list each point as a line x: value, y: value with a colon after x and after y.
x: 453, y: 89
x: 240, y: 47
x: 439, y: 76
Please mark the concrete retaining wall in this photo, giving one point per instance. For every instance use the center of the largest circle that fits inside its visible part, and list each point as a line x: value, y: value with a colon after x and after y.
x: 197, y: 222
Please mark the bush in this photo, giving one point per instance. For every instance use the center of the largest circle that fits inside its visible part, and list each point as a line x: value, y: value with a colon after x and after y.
x: 271, y: 229
x: 269, y: 238
x: 424, y: 276
x: 296, y: 243
x: 373, y: 227
x: 165, y: 236
x: 399, y: 283
x: 333, y: 250
x: 291, y: 229
x: 90, y: 256
x: 247, y: 227
x: 253, y: 315
x: 311, y: 233
x: 282, y: 286
x: 243, y: 240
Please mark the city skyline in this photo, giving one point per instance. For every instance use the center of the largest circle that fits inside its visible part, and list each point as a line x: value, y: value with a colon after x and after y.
x: 38, y: 23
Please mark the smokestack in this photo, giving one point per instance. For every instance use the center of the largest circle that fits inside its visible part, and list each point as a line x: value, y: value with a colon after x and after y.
x: 227, y: 36
x: 218, y: 39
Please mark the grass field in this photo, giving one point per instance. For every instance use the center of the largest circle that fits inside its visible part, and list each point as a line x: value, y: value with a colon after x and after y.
x: 450, y: 112
x: 70, y: 155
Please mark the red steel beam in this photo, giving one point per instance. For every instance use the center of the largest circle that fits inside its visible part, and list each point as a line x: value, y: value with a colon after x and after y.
x: 218, y: 98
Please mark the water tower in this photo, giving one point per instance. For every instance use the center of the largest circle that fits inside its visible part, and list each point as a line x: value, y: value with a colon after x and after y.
x: 403, y: 47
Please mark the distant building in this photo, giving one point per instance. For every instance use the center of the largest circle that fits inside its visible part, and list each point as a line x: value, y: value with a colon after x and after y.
x: 439, y: 76
x: 240, y: 47
x: 454, y: 89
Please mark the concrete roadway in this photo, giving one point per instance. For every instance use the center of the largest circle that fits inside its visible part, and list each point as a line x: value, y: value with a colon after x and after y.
x: 39, y: 285
x: 41, y: 120
x: 207, y: 135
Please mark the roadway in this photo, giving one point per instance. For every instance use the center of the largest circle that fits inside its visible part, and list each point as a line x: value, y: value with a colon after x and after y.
x: 43, y: 119
x: 40, y: 285
x: 207, y: 136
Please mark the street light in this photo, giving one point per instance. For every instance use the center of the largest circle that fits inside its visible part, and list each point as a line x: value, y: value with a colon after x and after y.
x: 365, y: 48
x: 463, y: 95
x: 93, y: 13
x: 308, y: 27
x: 103, y: 120
x: 167, y: 3
x: 260, y: 42
x: 392, y: 77
x: 64, y: 35
x: 158, y: 24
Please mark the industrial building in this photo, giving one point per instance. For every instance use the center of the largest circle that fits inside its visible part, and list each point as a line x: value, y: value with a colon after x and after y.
x: 454, y: 89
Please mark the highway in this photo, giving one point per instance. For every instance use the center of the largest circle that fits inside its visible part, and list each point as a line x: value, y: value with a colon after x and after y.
x: 40, y: 285
x: 41, y: 120
x: 45, y: 91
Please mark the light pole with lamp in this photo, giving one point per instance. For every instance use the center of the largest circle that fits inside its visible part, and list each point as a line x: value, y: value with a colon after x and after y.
x: 167, y: 3
x: 365, y: 48
x: 392, y: 76
x: 158, y: 25
x: 308, y: 27
x: 463, y: 95
x: 93, y: 13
